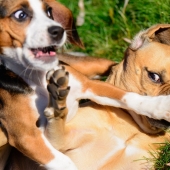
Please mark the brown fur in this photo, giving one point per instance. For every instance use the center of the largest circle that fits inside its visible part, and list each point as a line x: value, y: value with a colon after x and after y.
x: 102, y: 67
x: 28, y: 136
x: 98, y: 87
x: 12, y: 33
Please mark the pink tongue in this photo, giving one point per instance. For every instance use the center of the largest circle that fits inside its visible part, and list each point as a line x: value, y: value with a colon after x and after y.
x: 41, y: 54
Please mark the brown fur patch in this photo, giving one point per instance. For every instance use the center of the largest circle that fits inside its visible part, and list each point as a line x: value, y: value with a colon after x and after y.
x: 12, y: 32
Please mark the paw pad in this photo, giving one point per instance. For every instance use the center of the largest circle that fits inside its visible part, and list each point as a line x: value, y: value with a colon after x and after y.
x: 58, y: 90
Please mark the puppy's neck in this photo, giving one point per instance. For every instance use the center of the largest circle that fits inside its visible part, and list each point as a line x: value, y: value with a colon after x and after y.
x: 31, y: 76
x: 125, y: 79
x: 117, y: 76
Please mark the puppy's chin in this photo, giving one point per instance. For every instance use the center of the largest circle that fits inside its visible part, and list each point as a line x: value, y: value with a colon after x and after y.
x: 144, y: 124
x: 42, y: 61
x: 26, y: 58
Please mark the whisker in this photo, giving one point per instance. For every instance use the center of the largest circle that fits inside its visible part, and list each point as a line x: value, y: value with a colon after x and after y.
x: 39, y: 78
x: 74, y: 29
x: 32, y: 69
x: 24, y: 72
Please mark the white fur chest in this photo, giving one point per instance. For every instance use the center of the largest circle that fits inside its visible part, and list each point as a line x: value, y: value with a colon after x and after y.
x: 39, y: 101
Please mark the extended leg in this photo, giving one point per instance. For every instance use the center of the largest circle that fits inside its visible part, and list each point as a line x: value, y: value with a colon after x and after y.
x: 56, y: 112
x: 106, y: 94
x: 88, y: 66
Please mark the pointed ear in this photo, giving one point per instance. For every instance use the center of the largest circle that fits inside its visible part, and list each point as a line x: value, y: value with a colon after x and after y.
x: 157, y: 33
x: 64, y: 16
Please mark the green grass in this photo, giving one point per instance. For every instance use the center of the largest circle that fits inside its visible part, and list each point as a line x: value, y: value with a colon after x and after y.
x: 160, y: 158
x: 107, y: 23
x: 163, y: 157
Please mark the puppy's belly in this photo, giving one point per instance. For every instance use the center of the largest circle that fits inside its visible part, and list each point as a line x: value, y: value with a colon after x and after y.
x: 103, y: 138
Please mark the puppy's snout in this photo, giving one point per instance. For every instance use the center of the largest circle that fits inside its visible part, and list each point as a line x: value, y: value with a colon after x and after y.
x: 56, y: 32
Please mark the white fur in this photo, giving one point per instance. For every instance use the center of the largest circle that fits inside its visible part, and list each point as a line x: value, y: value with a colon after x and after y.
x: 73, y: 96
x: 154, y: 107
x: 76, y: 93
x: 60, y: 162
x: 137, y: 41
x: 37, y: 35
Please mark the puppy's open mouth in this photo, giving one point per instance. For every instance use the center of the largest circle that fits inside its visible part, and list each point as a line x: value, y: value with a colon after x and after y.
x: 44, y: 52
x: 161, y: 124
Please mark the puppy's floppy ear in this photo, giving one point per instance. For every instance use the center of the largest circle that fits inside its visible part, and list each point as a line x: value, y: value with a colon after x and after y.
x: 64, y: 16
x: 157, y: 33
x: 73, y: 35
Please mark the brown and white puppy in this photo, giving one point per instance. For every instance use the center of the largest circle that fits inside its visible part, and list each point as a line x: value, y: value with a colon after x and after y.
x: 29, y: 38
x: 102, y: 137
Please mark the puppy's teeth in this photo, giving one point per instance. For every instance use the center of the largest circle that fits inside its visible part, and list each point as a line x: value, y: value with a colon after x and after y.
x: 45, y: 50
x: 34, y: 51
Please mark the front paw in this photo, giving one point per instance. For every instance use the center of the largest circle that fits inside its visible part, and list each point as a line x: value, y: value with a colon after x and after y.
x: 58, y: 90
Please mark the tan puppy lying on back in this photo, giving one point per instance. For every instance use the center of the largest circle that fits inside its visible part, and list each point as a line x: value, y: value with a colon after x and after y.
x: 107, y: 138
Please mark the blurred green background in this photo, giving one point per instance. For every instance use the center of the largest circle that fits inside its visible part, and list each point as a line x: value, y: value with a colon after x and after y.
x: 109, y: 22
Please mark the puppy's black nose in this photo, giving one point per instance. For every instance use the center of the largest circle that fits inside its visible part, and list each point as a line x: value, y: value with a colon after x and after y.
x: 56, y: 32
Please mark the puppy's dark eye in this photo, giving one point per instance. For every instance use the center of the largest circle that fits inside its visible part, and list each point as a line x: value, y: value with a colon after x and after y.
x: 49, y: 13
x: 20, y: 15
x: 156, y: 78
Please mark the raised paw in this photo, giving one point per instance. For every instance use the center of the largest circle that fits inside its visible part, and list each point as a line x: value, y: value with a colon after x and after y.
x: 58, y: 90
